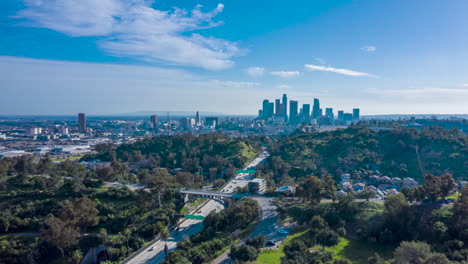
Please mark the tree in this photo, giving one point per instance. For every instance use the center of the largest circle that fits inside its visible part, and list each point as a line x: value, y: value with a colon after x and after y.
x: 366, y: 194
x: 159, y: 182
x: 80, y: 212
x: 256, y: 242
x: 243, y: 253
x: 311, y: 189
x: 76, y: 256
x: 59, y: 234
x: 329, y: 188
x: 376, y: 259
x: 317, y: 223
x: 412, y: 252
x: 341, y: 261
x: 437, y: 258
x: 459, y: 217
x: 438, y: 187
x: 164, y: 235
x: 102, y: 236
x: 327, y: 238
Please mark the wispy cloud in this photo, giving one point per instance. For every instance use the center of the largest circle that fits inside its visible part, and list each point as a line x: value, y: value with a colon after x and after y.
x: 369, y: 48
x: 133, y: 28
x: 234, y: 84
x: 255, y: 71
x: 311, y: 67
x: 464, y: 85
x: 284, y: 86
x: 285, y: 74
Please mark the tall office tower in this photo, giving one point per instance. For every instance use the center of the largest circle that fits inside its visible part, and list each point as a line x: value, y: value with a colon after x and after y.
x: 266, y: 105
x: 197, y: 119
x: 82, y: 122
x: 271, y: 107
x: 316, y: 110
x: 305, y: 113
x: 285, y: 103
x: 329, y: 114
x: 154, y: 121
x: 341, y: 115
x: 260, y: 113
x: 356, y: 113
x: 278, y: 107
x: 268, y: 109
x: 293, y: 114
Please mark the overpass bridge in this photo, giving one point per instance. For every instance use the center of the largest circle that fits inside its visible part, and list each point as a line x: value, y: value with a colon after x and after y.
x: 219, y: 197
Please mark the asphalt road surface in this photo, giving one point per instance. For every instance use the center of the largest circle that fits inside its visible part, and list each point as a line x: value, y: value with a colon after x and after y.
x: 189, y: 227
x: 268, y: 226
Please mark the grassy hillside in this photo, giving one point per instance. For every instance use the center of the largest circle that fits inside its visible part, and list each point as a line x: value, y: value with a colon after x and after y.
x: 398, y: 153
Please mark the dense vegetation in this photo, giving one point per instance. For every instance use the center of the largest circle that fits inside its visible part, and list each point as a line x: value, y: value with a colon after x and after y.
x: 56, y: 211
x: 192, y: 153
x: 397, y: 153
x: 441, y: 231
x: 220, y: 231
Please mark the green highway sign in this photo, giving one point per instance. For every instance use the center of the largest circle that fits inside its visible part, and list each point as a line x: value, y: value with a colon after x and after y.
x: 198, y: 217
x: 245, y: 171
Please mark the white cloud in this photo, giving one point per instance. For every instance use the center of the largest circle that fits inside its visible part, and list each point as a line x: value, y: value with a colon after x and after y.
x: 284, y: 86
x: 464, y: 85
x: 285, y: 74
x: 369, y: 48
x: 255, y: 71
x: 233, y: 84
x: 133, y: 28
x: 311, y: 67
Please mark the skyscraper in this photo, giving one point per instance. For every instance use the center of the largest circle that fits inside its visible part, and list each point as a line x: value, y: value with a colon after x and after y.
x: 285, y: 103
x: 197, y: 119
x: 82, y: 122
x: 356, y: 113
x: 340, y: 115
x: 271, y: 107
x: 305, y: 115
x: 329, y: 114
x: 267, y: 109
x: 293, y: 111
x: 278, y: 104
x: 154, y: 121
x: 316, y: 110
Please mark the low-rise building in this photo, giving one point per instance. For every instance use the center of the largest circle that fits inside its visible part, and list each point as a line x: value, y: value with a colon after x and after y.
x: 359, y: 187
x: 286, y: 190
x: 257, y: 186
x: 410, y: 182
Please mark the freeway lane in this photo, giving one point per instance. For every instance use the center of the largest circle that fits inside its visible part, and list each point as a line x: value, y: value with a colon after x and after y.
x: 189, y: 227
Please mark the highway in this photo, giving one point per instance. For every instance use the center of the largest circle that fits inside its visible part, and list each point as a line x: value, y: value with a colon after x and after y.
x: 189, y: 227
x: 268, y: 227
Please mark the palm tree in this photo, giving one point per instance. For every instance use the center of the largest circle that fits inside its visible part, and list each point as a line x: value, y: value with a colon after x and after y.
x: 165, y: 235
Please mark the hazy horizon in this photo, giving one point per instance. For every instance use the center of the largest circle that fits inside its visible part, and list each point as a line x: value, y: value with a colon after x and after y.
x: 115, y: 56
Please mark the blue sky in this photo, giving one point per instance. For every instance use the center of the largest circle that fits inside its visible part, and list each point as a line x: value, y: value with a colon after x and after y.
x: 118, y: 56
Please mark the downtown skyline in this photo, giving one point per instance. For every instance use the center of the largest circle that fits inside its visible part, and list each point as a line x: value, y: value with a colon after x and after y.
x: 226, y: 57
